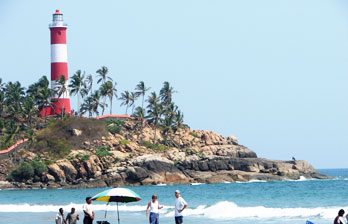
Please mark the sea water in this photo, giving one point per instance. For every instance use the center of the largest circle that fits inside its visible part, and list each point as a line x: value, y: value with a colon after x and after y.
x: 254, y: 202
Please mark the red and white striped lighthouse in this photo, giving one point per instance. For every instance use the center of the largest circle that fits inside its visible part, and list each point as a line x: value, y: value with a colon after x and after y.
x: 59, y: 62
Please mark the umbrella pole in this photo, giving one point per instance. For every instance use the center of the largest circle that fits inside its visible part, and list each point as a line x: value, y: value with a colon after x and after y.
x: 106, y: 210
x: 118, y: 215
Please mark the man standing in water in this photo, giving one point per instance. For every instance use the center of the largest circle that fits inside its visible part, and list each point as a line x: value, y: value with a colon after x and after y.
x: 89, y: 214
x: 72, y: 217
x: 154, y: 206
x: 60, y: 217
x: 180, y: 205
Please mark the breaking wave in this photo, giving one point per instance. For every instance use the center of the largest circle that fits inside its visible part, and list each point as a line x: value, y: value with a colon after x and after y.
x: 220, y: 210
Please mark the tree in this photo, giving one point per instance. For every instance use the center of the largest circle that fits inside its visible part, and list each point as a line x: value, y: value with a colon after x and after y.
x: 89, y: 81
x: 141, y: 91
x: 44, y: 99
x: 96, y: 102
x: 126, y: 99
x: 153, y: 99
x: 166, y: 94
x: 154, y: 116
x: 133, y: 98
x: 108, y: 90
x: 77, y: 85
x: 103, y: 74
x: 62, y: 90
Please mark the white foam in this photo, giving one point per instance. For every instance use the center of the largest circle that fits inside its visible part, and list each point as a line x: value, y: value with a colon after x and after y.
x: 196, y: 183
x: 220, y: 210
x: 229, y: 210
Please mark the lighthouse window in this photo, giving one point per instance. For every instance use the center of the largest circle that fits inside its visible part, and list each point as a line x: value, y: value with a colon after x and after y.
x: 59, y: 33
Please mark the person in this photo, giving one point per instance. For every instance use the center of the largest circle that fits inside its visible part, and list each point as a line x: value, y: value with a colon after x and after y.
x: 87, y: 210
x: 339, y: 218
x: 180, y: 205
x: 153, y: 206
x: 60, y: 217
x: 72, y: 217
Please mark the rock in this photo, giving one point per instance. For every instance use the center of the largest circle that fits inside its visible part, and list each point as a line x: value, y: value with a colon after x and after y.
x: 69, y: 170
x: 55, y: 171
x: 76, y: 132
x: 47, y: 178
x: 136, y: 174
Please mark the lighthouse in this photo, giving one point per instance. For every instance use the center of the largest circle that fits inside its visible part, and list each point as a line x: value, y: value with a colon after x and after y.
x: 59, y: 63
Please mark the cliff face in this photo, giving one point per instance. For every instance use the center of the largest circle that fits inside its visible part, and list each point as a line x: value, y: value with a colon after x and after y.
x: 194, y: 157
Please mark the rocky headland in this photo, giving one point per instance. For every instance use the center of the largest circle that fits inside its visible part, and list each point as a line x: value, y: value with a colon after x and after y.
x: 129, y: 158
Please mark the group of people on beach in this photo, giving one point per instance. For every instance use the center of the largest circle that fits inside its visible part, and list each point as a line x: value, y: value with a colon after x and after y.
x: 73, y: 217
x: 152, y: 211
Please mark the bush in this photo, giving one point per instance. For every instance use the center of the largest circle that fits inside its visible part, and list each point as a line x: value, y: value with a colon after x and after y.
x: 103, y: 151
x: 194, y: 134
x: 117, y: 160
x: 82, y: 157
x: 157, y: 146
x: 124, y: 142
x: 38, y: 167
x: 114, y: 129
x: 190, y: 151
x: 23, y: 172
x: 114, y: 121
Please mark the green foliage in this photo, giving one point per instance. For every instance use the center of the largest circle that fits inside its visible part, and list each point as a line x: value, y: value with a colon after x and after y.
x: 194, y: 134
x: 117, y: 160
x: 82, y: 157
x: 38, y: 167
x: 103, y: 151
x: 176, y: 162
x: 48, y: 162
x: 201, y: 155
x: 23, y: 172
x: 114, y: 121
x: 190, y: 151
x: 124, y: 142
x: 114, y: 125
x: 156, y: 147
x: 114, y: 129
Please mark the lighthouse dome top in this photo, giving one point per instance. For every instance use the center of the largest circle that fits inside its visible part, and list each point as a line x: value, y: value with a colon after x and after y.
x: 57, y: 20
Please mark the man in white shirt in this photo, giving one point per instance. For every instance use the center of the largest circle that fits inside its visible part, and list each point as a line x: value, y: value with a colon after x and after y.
x: 180, y: 205
x: 87, y: 209
x: 60, y: 217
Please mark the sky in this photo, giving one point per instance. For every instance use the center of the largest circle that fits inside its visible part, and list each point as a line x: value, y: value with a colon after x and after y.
x: 272, y: 73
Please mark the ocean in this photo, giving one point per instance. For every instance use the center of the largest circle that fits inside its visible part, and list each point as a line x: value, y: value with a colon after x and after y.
x: 254, y: 202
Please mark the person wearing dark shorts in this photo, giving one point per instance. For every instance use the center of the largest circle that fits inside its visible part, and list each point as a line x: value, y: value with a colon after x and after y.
x: 153, y: 206
x: 180, y: 205
x: 87, y: 209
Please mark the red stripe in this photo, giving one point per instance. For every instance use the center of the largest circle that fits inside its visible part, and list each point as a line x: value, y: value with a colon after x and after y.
x: 58, y: 69
x: 58, y: 35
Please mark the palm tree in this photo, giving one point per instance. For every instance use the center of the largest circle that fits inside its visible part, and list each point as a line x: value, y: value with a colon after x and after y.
x: 87, y: 106
x: 153, y: 99
x: 133, y: 98
x: 141, y: 91
x: 14, y: 94
x: 44, y: 96
x: 166, y: 93
x: 154, y: 116
x: 29, y: 110
x: 126, y: 98
x: 96, y: 102
x: 103, y: 74
x: 109, y: 90
x: 62, y: 90
x: 89, y: 81
x: 77, y: 85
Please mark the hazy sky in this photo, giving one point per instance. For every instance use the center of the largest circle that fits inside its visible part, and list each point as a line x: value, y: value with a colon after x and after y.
x: 273, y: 73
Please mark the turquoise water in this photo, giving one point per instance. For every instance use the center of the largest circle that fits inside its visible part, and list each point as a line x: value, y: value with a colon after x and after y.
x: 256, y: 202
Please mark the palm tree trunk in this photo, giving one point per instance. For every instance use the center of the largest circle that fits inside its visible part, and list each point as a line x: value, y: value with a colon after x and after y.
x: 78, y: 103
x: 126, y: 108
x: 110, y: 105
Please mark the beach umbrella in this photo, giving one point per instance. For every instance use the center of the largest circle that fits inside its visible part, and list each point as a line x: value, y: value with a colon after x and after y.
x: 122, y: 195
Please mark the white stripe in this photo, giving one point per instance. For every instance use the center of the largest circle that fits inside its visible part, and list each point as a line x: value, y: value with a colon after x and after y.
x: 59, y: 53
x: 65, y: 95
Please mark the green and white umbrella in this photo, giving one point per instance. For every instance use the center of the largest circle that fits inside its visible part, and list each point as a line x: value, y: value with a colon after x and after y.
x: 117, y: 195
